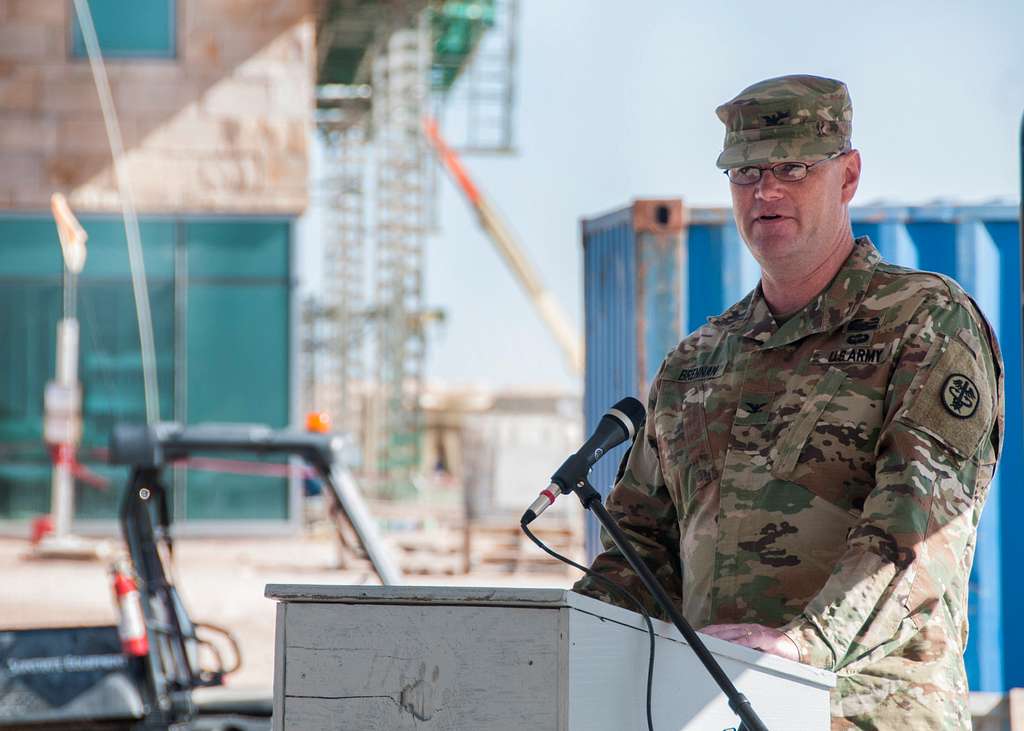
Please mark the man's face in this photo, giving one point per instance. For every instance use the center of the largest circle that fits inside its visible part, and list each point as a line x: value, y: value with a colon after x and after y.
x: 797, y: 224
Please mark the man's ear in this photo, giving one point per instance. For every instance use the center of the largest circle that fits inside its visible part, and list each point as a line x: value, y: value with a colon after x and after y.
x: 851, y: 175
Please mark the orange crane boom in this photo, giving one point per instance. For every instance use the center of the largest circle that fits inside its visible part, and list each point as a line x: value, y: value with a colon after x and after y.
x: 551, y: 313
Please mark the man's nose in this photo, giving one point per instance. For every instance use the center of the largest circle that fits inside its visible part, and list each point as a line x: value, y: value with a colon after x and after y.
x: 768, y: 187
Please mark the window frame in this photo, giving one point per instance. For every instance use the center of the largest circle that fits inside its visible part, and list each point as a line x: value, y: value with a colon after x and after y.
x: 172, y: 54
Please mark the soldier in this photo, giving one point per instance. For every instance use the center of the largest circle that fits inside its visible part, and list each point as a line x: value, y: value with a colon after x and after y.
x: 816, y: 458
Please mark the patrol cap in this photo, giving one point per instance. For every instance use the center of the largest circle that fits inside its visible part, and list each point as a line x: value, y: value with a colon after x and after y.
x: 796, y: 117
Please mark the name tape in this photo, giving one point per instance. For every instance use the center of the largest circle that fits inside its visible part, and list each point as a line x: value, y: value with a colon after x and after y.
x: 701, y: 373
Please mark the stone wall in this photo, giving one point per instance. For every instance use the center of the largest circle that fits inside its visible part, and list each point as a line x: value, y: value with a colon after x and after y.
x: 221, y: 128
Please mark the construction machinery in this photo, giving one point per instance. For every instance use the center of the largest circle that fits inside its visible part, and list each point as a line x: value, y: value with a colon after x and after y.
x: 141, y: 675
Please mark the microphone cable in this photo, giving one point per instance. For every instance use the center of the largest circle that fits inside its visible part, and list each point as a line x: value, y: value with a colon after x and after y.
x: 621, y: 592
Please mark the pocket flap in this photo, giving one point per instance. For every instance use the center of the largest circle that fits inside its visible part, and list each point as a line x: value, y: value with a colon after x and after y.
x: 791, y: 443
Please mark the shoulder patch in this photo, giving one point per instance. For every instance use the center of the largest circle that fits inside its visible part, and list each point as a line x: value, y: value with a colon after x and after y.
x: 960, y: 396
x: 954, y: 404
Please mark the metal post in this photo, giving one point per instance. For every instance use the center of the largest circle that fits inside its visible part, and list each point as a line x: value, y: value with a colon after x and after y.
x: 62, y: 400
x: 63, y: 419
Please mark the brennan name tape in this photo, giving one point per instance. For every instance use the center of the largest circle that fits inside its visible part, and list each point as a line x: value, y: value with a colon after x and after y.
x: 701, y: 373
x: 851, y: 356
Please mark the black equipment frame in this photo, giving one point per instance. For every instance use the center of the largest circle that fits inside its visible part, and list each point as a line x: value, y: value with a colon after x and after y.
x: 168, y: 674
x: 172, y: 664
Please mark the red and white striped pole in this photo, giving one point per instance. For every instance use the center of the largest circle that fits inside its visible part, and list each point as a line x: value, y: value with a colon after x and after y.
x: 62, y: 426
x: 62, y: 400
x: 132, y: 625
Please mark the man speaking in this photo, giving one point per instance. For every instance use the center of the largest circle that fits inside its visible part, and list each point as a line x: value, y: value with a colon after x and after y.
x: 816, y: 458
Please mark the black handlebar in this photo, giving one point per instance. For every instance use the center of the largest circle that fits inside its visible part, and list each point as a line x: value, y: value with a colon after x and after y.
x: 160, y: 444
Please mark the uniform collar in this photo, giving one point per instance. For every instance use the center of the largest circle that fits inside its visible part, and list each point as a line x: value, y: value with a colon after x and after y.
x: 751, y: 318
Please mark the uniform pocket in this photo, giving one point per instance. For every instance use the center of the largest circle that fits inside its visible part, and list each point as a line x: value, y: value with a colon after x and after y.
x: 681, y: 424
x: 792, y: 440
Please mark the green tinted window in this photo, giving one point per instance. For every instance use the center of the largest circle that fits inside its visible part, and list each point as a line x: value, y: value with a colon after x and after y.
x: 219, y: 296
x: 110, y: 367
x: 237, y: 353
x: 128, y: 28
x: 237, y: 249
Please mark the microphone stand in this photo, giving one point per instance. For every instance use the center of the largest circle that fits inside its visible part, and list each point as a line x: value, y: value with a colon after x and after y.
x: 738, y: 702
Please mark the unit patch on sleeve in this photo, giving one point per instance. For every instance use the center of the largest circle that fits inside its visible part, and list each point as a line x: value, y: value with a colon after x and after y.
x: 960, y: 396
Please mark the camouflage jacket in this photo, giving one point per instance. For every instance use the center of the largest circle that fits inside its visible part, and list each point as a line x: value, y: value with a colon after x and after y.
x: 826, y: 477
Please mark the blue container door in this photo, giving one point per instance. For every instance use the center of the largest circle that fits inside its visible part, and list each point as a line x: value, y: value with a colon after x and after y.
x: 1003, y: 610
x: 721, y: 271
x: 611, y: 337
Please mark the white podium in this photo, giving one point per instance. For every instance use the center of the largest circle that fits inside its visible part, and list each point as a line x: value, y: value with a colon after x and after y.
x: 468, y: 659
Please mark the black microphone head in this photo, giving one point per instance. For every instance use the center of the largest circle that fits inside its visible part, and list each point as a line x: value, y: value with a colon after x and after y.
x: 630, y: 413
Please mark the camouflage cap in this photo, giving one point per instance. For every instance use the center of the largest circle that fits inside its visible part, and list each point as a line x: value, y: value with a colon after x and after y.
x: 796, y: 117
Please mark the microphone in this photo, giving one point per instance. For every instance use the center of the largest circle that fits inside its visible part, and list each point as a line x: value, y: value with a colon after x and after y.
x: 620, y: 423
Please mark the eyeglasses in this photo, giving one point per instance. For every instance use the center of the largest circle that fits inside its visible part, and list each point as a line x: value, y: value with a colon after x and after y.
x: 786, y: 172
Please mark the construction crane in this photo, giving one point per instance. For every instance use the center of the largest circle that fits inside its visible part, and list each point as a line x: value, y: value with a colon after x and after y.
x: 551, y: 313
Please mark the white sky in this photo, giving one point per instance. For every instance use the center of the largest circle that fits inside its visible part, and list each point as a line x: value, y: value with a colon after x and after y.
x: 616, y: 101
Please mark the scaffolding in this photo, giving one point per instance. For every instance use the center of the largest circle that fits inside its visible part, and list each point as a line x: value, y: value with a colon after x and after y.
x: 382, y: 67
x: 339, y: 317
x: 477, y: 106
x: 400, y: 73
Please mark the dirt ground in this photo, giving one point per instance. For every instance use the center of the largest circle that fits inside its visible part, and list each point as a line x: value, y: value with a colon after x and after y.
x: 221, y: 582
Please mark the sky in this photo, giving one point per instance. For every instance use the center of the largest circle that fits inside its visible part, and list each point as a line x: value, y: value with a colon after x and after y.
x: 616, y: 101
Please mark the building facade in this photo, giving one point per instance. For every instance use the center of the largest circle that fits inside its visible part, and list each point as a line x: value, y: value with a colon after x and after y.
x: 214, y: 103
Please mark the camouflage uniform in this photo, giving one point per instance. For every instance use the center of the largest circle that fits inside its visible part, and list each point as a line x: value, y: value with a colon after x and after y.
x: 825, y: 476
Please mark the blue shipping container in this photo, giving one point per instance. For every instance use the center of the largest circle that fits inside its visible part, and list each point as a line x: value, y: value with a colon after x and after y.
x: 634, y: 316
x: 636, y: 253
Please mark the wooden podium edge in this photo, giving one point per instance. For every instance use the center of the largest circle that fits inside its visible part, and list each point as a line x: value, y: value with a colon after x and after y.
x: 540, y: 598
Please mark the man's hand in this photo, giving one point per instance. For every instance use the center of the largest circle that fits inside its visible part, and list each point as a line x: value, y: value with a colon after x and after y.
x: 755, y: 636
